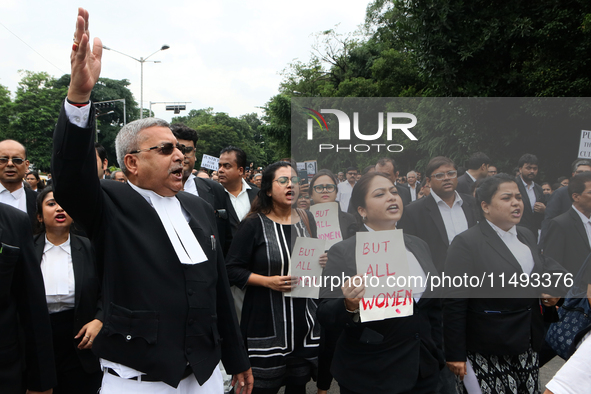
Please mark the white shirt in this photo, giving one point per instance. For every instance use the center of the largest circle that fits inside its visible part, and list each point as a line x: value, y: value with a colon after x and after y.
x: 520, y: 251
x: 470, y: 175
x: 241, y: 203
x: 574, y: 376
x: 586, y: 223
x: 344, y: 195
x: 413, y: 192
x: 530, y: 192
x: 190, y: 186
x: 58, y: 276
x: 454, y: 218
x: 17, y: 199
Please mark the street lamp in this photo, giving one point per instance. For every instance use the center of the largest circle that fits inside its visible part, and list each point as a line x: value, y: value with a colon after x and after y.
x: 142, y: 60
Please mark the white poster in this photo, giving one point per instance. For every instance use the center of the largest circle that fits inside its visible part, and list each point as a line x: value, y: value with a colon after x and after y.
x: 585, y: 145
x: 210, y: 162
x: 381, y: 257
x: 327, y: 222
x: 306, y: 267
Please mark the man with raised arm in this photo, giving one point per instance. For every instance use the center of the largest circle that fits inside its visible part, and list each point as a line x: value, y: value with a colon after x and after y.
x: 169, y: 315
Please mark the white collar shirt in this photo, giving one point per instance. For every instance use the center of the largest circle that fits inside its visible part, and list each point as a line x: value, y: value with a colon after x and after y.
x: 413, y: 192
x: 344, y: 195
x: 17, y: 199
x: 241, y: 202
x: 58, y: 276
x: 454, y: 218
x: 470, y: 175
x: 520, y: 251
x: 586, y: 223
x: 530, y: 192
x: 190, y: 186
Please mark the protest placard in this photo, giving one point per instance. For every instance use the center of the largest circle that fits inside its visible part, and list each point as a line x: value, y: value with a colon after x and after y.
x: 210, y: 162
x: 305, y: 266
x: 381, y: 256
x: 327, y: 222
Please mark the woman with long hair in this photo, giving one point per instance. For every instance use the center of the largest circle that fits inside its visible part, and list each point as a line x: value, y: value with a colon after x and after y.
x: 280, y: 333
x: 396, y: 355
x: 72, y: 292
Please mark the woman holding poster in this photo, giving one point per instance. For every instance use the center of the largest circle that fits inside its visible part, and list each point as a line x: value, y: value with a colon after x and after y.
x: 395, y: 355
x: 281, y: 333
x: 493, y: 330
x: 323, y: 190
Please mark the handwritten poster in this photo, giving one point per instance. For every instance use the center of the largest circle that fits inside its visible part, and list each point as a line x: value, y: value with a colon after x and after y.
x: 210, y: 162
x: 381, y: 256
x: 305, y: 266
x: 327, y: 222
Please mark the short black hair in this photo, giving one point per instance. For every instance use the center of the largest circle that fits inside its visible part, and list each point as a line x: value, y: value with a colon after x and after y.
x: 437, y: 162
x: 352, y: 169
x: 184, y: 132
x: 240, y: 155
x: 489, y: 187
x: 102, y: 152
x: 477, y: 160
x: 577, y: 183
x: 385, y: 160
x: 528, y: 158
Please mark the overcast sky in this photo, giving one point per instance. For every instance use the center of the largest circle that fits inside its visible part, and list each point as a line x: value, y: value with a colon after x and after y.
x: 223, y: 54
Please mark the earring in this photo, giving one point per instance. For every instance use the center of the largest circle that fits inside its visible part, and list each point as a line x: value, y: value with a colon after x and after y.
x: 364, y: 218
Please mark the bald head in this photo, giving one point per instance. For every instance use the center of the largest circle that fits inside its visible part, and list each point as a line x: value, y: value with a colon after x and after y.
x: 13, y: 170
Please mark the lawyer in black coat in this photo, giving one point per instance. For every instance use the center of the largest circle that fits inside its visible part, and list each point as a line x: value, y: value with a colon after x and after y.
x: 399, y: 355
x: 22, y: 298
x: 496, y: 320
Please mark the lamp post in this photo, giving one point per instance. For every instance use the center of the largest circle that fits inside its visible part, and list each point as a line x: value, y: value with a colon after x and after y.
x: 142, y: 60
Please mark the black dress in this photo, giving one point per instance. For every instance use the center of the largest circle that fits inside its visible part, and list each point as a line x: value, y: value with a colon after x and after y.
x: 281, y: 333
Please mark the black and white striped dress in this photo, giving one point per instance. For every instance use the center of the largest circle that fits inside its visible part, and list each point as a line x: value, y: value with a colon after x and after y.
x: 281, y: 333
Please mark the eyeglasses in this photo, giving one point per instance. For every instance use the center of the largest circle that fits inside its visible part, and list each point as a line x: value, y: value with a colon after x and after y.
x: 17, y: 161
x: 441, y: 175
x: 283, y: 180
x: 303, y: 197
x: 188, y: 151
x: 166, y: 148
x: 329, y: 187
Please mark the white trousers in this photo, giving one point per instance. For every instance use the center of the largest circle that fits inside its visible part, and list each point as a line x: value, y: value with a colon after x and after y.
x: 115, y: 385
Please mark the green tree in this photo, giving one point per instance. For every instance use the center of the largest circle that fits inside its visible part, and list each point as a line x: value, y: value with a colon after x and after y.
x: 36, y: 109
x: 6, y: 111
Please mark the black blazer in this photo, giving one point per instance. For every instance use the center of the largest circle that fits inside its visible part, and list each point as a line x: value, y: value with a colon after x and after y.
x: 87, y: 291
x: 214, y: 194
x: 558, y: 203
x: 530, y: 219
x: 567, y: 242
x: 347, y: 223
x: 22, y: 299
x: 465, y: 183
x: 158, y: 313
x: 31, y: 197
x: 386, y: 356
x: 493, y: 326
x: 233, y: 220
x: 423, y: 219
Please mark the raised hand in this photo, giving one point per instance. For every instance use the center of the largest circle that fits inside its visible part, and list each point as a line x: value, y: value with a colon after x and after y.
x: 85, y: 63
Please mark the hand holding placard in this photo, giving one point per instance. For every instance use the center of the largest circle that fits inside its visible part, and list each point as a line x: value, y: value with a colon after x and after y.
x: 305, y: 267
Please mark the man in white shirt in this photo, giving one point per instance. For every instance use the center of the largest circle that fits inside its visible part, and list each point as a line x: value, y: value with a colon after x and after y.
x: 413, y: 185
x: 534, y: 199
x: 346, y: 188
x: 239, y: 194
x: 13, y: 166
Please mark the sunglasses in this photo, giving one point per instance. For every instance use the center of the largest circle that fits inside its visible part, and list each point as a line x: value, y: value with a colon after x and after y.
x: 165, y: 149
x: 441, y: 175
x: 329, y: 187
x: 188, y: 151
x: 283, y: 180
x: 17, y: 161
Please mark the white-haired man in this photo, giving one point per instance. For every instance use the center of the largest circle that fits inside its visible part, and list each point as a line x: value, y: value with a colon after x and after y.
x: 169, y: 314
